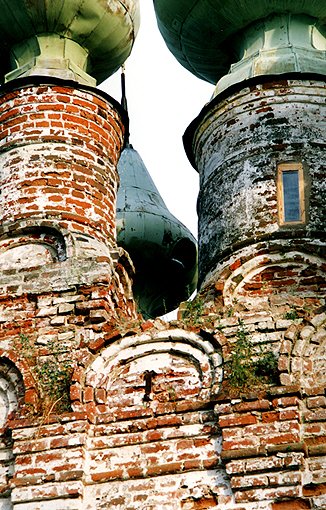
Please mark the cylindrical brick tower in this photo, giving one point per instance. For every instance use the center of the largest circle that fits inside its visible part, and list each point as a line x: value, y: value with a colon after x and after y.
x: 259, y: 151
x: 59, y: 150
x: 259, y: 147
x: 61, y: 138
x: 64, y: 282
x: 258, y: 144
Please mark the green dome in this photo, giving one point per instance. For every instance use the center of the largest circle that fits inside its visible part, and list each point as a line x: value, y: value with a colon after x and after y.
x: 82, y: 40
x: 208, y: 36
x: 163, y: 250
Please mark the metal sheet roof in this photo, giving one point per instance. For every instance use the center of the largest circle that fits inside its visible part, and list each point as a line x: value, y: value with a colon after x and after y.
x: 163, y: 250
x: 198, y: 32
x: 105, y: 30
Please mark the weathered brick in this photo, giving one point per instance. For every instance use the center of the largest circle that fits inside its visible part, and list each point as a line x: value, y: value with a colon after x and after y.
x: 237, y: 420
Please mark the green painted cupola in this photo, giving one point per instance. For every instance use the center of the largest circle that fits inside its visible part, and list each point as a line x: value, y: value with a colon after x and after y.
x: 228, y: 41
x: 84, y: 41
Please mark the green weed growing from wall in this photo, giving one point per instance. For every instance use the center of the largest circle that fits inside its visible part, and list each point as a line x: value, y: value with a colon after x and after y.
x: 248, y: 368
x: 193, y: 312
x: 51, y: 373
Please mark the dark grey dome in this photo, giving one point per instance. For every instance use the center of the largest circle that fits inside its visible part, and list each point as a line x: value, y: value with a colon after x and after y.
x: 162, y: 249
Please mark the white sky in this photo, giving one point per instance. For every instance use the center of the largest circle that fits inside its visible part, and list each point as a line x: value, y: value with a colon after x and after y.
x: 163, y: 98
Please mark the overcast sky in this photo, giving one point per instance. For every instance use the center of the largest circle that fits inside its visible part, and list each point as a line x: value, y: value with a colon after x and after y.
x: 163, y: 98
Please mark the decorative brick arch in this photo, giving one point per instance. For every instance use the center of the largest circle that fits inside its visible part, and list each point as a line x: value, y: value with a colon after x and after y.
x: 44, y: 242
x: 22, y: 379
x: 37, y: 232
x: 149, y: 399
x: 11, y: 390
x: 159, y: 370
x: 273, y: 273
x: 11, y: 396
x: 303, y: 358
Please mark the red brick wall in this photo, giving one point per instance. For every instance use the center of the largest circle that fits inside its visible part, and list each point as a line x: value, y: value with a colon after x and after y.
x: 153, y: 421
x: 178, y: 440
x: 59, y: 148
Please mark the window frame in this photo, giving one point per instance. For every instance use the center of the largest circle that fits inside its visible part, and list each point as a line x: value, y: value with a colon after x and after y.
x: 287, y: 167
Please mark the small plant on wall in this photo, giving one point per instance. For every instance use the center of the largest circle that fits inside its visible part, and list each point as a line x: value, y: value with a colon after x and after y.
x: 193, y: 311
x: 51, y: 373
x: 248, y: 368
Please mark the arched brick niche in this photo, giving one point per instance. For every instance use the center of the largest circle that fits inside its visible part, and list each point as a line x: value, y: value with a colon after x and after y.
x: 259, y: 276
x: 11, y: 390
x: 31, y: 247
x: 276, y: 274
x: 153, y: 436
x: 11, y: 395
x: 156, y: 371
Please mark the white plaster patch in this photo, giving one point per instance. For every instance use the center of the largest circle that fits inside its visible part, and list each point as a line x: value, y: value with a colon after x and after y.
x: 8, y: 399
x: 24, y: 256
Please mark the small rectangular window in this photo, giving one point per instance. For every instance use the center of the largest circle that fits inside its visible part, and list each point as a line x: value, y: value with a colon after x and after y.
x: 291, y: 193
